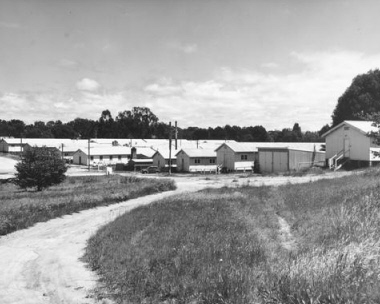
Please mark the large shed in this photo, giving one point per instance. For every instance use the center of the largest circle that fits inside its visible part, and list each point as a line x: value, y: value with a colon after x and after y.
x: 196, y: 160
x: 13, y: 146
x: 161, y: 158
x: 284, y: 159
x: 104, y: 156
x: 234, y: 156
x: 350, y: 140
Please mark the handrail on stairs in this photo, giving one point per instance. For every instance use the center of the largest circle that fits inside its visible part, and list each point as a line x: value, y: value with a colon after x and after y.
x: 333, y: 161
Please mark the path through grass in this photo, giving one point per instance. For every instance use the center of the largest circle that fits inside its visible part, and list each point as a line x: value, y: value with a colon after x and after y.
x: 225, y: 246
x: 20, y: 209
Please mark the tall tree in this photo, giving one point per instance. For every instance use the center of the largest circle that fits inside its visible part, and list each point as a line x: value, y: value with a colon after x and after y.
x: 360, y: 98
x: 40, y: 168
x: 106, y: 125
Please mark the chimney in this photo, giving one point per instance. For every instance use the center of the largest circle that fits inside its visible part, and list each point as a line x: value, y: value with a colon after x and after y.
x: 133, y: 153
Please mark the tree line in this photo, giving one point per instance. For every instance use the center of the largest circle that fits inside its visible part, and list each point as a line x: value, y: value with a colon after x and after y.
x: 141, y: 122
x: 360, y: 100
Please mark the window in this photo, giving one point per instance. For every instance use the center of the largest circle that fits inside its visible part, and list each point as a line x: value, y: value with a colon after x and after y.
x: 101, y: 157
x: 212, y: 160
x: 197, y: 161
x: 91, y: 157
x: 111, y: 157
x: 244, y: 157
x: 346, y: 128
x: 119, y: 157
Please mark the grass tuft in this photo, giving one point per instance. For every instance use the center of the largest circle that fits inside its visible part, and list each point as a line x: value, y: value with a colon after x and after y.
x: 225, y: 246
x: 22, y: 209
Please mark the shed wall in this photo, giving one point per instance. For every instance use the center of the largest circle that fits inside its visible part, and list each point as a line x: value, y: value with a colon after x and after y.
x: 3, y: 147
x: 357, y: 142
x: 80, y: 158
x: 225, y: 157
x: 272, y: 161
x: 304, y: 159
x: 183, y: 162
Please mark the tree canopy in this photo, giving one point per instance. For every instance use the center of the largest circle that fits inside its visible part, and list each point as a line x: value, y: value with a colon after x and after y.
x: 360, y: 98
x: 141, y: 122
x: 40, y: 168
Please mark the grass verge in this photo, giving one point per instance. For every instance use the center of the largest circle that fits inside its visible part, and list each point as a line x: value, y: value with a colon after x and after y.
x: 22, y: 209
x: 226, y: 246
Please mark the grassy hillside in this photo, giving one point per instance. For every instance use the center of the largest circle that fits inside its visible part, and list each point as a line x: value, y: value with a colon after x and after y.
x: 234, y: 246
x: 21, y: 209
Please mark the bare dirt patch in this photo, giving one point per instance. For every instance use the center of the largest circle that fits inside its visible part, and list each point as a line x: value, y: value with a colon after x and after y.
x: 7, y: 167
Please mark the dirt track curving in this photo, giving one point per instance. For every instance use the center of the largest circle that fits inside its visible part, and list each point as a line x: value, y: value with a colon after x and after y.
x: 41, y: 264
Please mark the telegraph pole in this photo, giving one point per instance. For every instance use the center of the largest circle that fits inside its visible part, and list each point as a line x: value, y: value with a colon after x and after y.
x: 88, y: 155
x: 176, y: 135
x: 170, y: 147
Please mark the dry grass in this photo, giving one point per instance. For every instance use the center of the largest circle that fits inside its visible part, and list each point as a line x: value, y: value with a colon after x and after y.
x: 224, y: 246
x: 22, y: 209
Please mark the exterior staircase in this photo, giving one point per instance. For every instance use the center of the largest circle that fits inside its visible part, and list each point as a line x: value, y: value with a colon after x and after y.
x: 338, y: 160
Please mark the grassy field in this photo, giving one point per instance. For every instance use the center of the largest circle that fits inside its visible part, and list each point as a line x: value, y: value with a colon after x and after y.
x: 230, y: 246
x: 21, y: 209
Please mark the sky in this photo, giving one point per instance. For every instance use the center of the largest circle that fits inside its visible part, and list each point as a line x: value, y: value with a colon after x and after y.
x: 203, y: 63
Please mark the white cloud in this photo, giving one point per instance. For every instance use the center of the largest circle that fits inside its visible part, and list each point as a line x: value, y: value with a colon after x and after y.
x: 45, y: 106
x: 248, y: 97
x: 270, y: 65
x: 67, y: 63
x: 10, y: 25
x: 87, y: 84
x: 242, y: 97
x: 187, y: 48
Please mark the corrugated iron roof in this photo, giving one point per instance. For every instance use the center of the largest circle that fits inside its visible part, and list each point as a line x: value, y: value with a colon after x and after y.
x: 165, y: 153
x: 108, y: 151
x: 148, y: 152
x: 363, y: 126
x: 199, y: 152
x: 247, y: 147
x: 294, y: 146
x: 240, y: 146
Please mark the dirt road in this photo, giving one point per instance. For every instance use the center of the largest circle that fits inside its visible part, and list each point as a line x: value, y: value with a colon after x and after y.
x: 7, y: 167
x: 41, y: 264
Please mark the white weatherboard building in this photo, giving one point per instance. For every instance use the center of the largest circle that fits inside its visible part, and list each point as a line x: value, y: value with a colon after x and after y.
x: 161, y: 158
x: 288, y: 158
x: 271, y: 156
x: 350, y: 140
x: 103, y: 156
x: 196, y: 160
x: 235, y: 156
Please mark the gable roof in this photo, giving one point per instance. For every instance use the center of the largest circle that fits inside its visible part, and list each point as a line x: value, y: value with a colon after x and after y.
x: 148, y: 152
x: 198, y: 152
x: 165, y: 153
x: 362, y: 126
x: 107, y: 151
x: 240, y: 146
x: 246, y: 147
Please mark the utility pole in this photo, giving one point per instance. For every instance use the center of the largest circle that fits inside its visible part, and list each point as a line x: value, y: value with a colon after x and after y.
x: 88, y: 155
x: 170, y: 147
x: 176, y: 135
x: 62, y: 151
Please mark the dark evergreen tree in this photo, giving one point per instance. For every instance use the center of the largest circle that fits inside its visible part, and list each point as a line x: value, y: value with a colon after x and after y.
x: 361, y: 97
x: 40, y: 168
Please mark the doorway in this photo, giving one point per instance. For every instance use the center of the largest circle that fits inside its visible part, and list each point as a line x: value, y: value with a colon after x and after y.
x: 346, y: 147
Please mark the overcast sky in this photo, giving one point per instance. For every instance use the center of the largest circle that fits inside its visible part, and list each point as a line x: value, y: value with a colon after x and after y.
x: 200, y: 62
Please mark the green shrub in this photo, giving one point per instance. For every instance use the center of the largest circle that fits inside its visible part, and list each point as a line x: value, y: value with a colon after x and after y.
x: 40, y: 168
